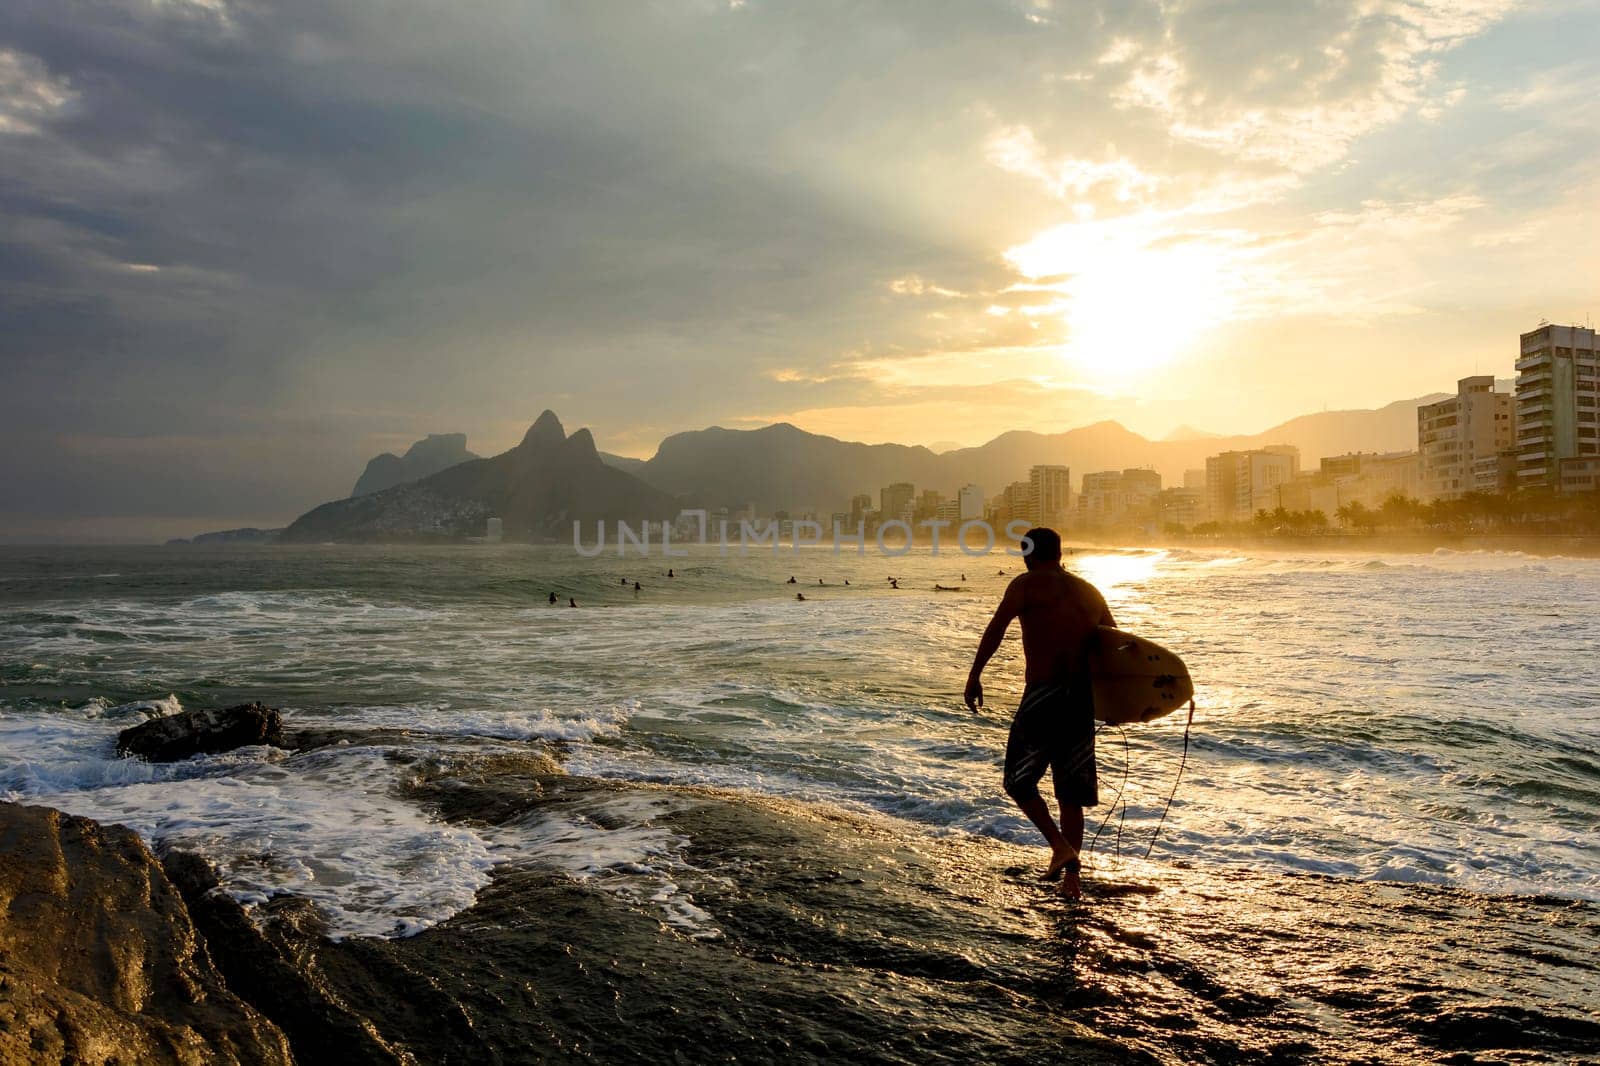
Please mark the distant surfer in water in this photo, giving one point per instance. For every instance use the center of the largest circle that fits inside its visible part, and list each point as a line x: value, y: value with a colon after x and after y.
x: 552, y: 599
x: 1054, y: 725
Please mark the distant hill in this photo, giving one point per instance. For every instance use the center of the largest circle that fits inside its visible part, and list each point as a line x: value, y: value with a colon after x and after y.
x: 784, y: 467
x: 243, y: 535
x: 1190, y: 433
x: 781, y: 466
x: 536, y: 489
x: 623, y: 462
x: 435, y: 452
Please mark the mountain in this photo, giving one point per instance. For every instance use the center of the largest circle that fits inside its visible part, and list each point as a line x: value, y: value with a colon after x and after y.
x: 1190, y: 433
x: 435, y: 452
x: 781, y: 466
x: 784, y: 467
x: 623, y: 462
x: 537, y: 490
x: 1388, y: 429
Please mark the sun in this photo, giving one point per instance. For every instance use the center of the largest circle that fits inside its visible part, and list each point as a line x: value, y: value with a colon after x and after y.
x: 1132, y: 298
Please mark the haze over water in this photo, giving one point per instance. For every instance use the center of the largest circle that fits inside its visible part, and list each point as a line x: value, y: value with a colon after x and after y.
x: 1423, y: 718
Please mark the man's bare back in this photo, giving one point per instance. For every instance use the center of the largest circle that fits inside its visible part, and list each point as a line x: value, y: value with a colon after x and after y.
x: 1059, y: 613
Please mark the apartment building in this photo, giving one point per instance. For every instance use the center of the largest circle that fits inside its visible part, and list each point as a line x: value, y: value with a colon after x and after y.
x: 1453, y: 434
x: 1557, y: 400
x: 1052, y: 494
x: 1238, y: 484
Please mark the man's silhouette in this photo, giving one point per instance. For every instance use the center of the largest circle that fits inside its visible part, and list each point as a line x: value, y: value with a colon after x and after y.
x: 1054, y: 725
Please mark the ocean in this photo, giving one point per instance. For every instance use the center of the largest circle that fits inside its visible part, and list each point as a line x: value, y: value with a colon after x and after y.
x: 1366, y: 725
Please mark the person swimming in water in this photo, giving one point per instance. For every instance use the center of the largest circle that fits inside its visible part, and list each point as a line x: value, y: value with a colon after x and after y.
x: 801, y: 596
x: 791, y: 580
x: 636, y: 586
x: 670, y: 573
x: 1054, y: 724
x: 572, y: 601
x: 552, y: 599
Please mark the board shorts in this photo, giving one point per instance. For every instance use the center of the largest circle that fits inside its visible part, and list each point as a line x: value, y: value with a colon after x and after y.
x: 1054, y: 728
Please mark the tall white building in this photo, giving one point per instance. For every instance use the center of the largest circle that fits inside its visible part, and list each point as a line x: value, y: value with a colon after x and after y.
x: 1455, y: 434
x: 970, y: 501
x: 1558, y: 397
x: 1052, y: 494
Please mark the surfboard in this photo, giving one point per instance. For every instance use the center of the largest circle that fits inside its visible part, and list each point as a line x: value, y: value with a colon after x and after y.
x: 1135, y: 680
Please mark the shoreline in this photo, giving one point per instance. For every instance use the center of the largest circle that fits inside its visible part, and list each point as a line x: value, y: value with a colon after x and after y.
x: 1551, y: 545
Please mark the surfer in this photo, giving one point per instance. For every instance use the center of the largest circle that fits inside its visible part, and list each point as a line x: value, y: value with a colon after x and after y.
x: 790, y: 581
x: 801, y: 596
x: 1054, y: 725
x: 572, y: 601
x: 670, y: 573
x: 552, y: 599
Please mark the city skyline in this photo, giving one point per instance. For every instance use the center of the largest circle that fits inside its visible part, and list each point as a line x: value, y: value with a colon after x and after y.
x: 248, y: 248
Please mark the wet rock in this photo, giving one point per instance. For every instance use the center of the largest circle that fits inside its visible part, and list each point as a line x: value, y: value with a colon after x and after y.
x: 99, y: 961
x: 275, y: 964
x: 208, y: 731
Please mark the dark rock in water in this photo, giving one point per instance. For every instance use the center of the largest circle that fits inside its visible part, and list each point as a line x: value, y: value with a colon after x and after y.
x: 208, y: 731
x: 99, y: 961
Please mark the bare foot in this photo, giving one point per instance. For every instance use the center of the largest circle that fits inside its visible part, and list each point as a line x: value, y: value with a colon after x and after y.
x: 1070, y: 887
x: 1059, y: 857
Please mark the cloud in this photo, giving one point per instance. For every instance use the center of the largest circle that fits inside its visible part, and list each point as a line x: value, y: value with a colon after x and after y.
x: 1015, y: 149
x: 1294, y: 86
x: 29, y: 95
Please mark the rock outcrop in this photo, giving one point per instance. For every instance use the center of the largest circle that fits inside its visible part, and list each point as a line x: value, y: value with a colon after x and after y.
x: 276, y: 966
x: 209, y: 731
x: 435, y: 452
x: 99, y: 960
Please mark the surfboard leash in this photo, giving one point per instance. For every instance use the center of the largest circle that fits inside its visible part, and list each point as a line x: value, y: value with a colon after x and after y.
x: 1187, y: 726
x: 1122, y: 791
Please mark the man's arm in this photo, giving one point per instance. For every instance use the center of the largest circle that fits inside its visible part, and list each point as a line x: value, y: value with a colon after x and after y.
x: 993, y: 634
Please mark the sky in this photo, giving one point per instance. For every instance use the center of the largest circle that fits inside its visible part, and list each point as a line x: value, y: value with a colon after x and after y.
x: 245, y: 246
